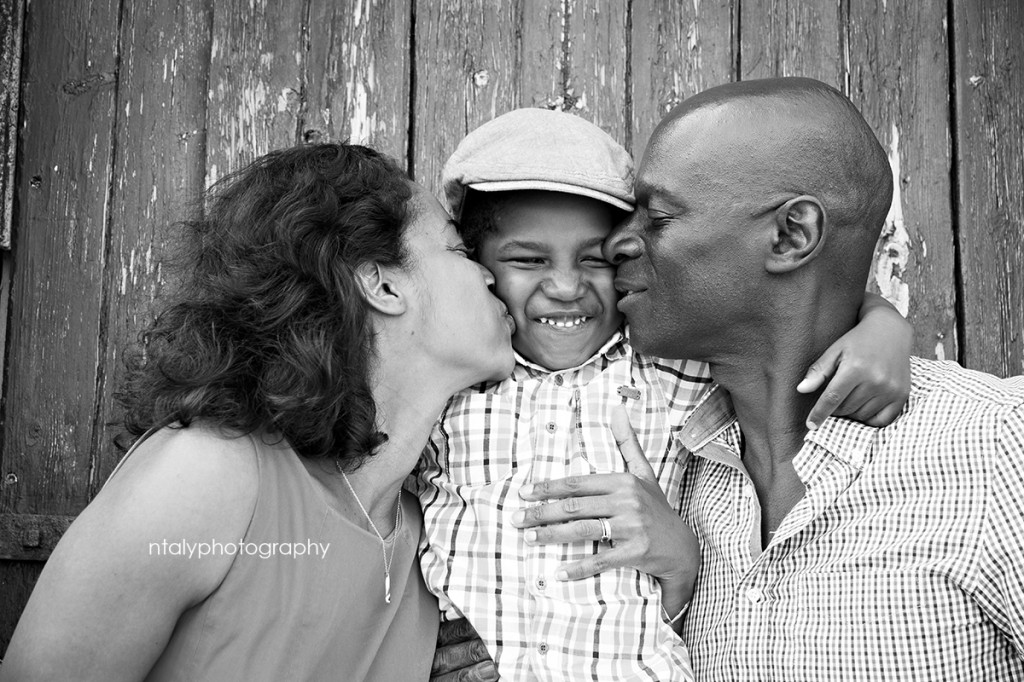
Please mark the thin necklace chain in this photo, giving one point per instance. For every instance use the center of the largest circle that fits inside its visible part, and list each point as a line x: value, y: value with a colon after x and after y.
x: 383, y: 542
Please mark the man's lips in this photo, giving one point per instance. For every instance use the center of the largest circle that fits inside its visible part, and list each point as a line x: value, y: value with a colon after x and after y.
x: 626, y: 287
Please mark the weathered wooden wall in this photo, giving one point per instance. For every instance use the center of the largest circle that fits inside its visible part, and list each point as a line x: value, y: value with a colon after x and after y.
x: 113, y: 115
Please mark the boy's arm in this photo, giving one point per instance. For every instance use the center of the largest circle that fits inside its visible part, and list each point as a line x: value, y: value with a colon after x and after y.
x: 869, y: 366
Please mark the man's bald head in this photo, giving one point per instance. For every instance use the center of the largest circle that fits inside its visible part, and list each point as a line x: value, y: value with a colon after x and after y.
x: 793, y: 136
x: 758, y: 206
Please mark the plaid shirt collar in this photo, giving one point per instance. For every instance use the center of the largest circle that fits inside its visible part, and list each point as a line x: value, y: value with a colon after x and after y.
x: 714, y: 421
x: 613, y: 349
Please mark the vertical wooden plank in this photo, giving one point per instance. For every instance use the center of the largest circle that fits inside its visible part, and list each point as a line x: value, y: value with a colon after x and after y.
x: 159, y: 169
x: 255, y: 81
x: 902, y: 88
x: 544, y: 63
x: 574, y: 59
x: 989, y: 85
x: 16, y: 578
x: 791, y: 38
x: 358, y: 74
x: 595, y: 83
x: 11, y: 13
x: 467, y: 72
x: 679, y: 49
x: 68, y: 97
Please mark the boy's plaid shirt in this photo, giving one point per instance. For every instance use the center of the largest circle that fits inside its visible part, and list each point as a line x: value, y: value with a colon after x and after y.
x: 539, y: 425
x: 903, y: 561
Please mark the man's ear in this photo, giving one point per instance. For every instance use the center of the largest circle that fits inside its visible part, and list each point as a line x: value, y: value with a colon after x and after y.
x: 381, y: 288
x: 798, y: 234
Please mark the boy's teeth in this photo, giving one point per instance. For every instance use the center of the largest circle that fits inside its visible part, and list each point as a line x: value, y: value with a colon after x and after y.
x: 564, y: 322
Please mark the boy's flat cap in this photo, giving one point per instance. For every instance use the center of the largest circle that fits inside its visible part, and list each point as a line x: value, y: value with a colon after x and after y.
x: 540, y: 149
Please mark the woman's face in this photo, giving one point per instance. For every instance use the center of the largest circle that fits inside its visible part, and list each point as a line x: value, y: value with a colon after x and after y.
x: 462, y: 324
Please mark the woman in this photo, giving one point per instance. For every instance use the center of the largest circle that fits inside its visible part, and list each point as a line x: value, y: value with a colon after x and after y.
x: 327, y: 312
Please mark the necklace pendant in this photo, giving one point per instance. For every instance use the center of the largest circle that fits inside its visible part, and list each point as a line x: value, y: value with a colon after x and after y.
x: 387, y: 588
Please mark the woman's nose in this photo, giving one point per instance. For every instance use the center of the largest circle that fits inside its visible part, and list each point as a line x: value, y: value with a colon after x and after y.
x: 488, y: 275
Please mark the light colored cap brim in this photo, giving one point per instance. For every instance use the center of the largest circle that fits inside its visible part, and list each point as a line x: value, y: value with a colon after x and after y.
x: 549, y: 186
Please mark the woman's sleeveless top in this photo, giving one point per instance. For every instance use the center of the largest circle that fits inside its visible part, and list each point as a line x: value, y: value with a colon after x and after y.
x: 320, y: 615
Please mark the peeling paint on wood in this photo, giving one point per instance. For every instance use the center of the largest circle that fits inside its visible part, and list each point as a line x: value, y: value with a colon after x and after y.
x: 160, y: 165
x: 358, y: 74
x: 454, y: 40
x: 11, y: 21
x: 793, y: 38
x: 257, y: 53
x: 894, y: 245
x: 678, y: 50
x: 59, y: 255
x: 901, y: 88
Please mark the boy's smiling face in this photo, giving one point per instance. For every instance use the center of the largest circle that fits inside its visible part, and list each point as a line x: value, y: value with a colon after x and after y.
x: 546, y: 258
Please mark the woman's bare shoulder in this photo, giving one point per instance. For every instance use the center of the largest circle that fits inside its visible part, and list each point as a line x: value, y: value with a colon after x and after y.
x: 197, y: 461
x: 118, y: 589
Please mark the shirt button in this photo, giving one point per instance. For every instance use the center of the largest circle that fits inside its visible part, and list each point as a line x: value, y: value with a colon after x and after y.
x: 543, y: 648
x: 755, y: 595
x: 559, y: 380
x: 541, y: 583
x: 552, y: 427
x: 748, y: 492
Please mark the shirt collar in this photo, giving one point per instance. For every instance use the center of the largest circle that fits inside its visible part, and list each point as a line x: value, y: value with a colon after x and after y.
x: 613, y: 349
x: 845, y: 440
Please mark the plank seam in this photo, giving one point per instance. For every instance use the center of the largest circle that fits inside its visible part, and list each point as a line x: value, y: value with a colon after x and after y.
x: 103, y: 337
x: 736, y: 9
x: 959, y: 307
x: 304, y: 47
x: 628, y: 104
x: 410, y: 136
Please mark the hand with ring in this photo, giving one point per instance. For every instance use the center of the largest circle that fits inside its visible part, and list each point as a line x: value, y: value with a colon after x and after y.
x: 628, y: 511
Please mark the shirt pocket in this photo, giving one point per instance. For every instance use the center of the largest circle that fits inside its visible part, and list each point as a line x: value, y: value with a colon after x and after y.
x: 481, y: 434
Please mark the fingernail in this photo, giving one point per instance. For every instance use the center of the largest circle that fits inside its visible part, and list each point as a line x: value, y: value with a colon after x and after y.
x: 489, y: 674
x: 811, y: 425
x: 804, y: 385
x: 531, y: 536
x: 561, y: 575
x: 526, y: 490
x: 518, y: 517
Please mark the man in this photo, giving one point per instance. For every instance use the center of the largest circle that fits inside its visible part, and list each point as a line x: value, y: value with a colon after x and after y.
x: 847, y: 552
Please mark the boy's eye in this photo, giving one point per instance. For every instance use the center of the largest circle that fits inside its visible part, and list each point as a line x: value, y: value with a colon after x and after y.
x: 465, y: 250
x: 596, y: 262
x: 526, y: 260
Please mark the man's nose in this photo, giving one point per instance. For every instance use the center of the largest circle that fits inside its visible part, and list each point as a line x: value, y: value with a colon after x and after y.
x: 624, y: 241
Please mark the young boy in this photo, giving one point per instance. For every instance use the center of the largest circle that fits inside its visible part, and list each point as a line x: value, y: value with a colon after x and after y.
x: 537, y: 192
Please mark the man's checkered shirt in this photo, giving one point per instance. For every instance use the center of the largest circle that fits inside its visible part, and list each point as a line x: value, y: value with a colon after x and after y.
x: 534, y: 426
x: 903, y: 561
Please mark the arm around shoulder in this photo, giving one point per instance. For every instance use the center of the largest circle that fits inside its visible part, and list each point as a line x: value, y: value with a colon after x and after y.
x: 116, y: 588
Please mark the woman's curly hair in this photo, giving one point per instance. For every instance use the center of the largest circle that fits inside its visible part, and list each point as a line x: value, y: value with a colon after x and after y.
x: 268, y: 329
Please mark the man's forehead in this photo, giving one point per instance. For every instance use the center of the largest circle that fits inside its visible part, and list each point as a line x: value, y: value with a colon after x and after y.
x: 672, y: 153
